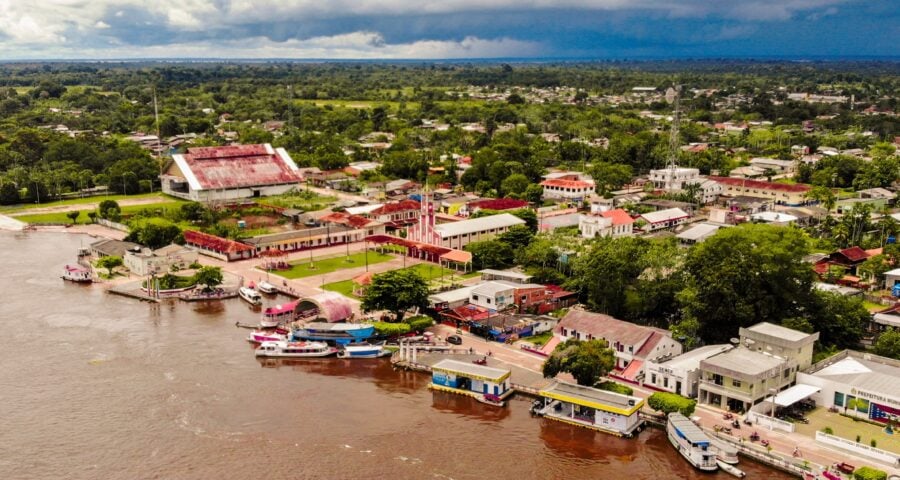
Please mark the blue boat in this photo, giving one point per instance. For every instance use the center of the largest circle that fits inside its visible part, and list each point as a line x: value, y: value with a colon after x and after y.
x: 363, y: 350
x: 339, y: 333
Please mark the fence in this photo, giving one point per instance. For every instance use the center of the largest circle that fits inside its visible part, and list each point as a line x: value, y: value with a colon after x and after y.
x: 767, y: 421
x: 113, y: 225
x: 859, y: 449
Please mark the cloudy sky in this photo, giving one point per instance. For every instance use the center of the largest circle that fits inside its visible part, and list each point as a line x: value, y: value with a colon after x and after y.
x: 443, y: 29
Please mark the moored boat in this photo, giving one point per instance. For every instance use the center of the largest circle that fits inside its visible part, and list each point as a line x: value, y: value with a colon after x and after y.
x: 737, y: 472
x: 363, y: 350
x: 260, y: 336
x: 250, y: 295
x: 77, y: 273
x: 295, y: 349
x: 691, y: 442
x: 724, y: 451
x: 340, y: 333
x: 267, y: 288
x: 277, y: 315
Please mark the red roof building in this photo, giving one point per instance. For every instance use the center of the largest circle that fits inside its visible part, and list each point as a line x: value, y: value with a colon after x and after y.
x: 217, y: 247
x: 780, y: 193
x: 398, y: 214
x: 231, y: 172
x: 498, y: 204
x: 347, y: 220
x: 618, y: 216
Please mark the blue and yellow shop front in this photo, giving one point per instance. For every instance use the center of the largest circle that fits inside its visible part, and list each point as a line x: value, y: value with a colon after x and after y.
x: 480, y: 382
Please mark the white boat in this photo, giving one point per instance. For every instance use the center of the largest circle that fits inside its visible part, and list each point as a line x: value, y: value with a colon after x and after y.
x: 76, y: 273
x: 363, y: 350
x: 267, y: 288
x: 295, y: 349
x: 691, y: 442
x: 725, y: 452
x: 260, y: 336
x: 737, y: 472
x: 250, y: 295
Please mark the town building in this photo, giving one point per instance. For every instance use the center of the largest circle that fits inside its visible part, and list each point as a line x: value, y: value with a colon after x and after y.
x: 633, y: 344
x: 499, y: 295
x: 778, y: 193
x: 466, y: 378
x: 674, y: 178
x: 663, y: 219
x: 592, y: 408
x: 609, y: 223
x: 207, y: 174
x: 112, y: 248
x: 450, y: 299
x: 680, y: 374
x: 335, y: 229
x: 513, y: 276
x: 766, y: 362
x: 857, y: 383
x: 218, y: 247
x: 570, y: 187
x: 459, y: 234
x: 697, y: 233
x: 159, y: 261
x: 774, y: 164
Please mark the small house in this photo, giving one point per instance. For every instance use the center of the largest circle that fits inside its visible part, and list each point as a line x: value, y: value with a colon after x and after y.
x: 477, y: 381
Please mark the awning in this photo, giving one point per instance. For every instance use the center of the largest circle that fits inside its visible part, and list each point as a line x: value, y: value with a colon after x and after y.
x: 793, y: 395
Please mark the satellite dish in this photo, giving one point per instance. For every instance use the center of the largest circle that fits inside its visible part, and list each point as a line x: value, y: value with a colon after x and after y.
x: 735, y: 341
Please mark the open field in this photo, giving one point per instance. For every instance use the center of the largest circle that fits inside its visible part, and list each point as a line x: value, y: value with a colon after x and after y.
x: 848, y: 428
x: 301, y: 268
x: 82, y: 201
x: 60, y: 217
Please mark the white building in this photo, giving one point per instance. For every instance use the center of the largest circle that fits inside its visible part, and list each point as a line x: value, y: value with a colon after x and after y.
x: 609, y: 223
x: 774, y: 164
x: 159, y: 261
x: 459, y: 234
x: 662, y: 219
x: 494, y: 295
x: 569, y: 189
x: 674, y: 178
x: 206, y: 174
x: 681, y: 374
x: 697, y: 233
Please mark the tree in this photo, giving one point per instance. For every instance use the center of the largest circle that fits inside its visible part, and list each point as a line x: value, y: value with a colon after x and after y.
x: 396, y: 291
x: 109, y: 263
x: 154, y: 232
x: 73, y: 216
x: 823, y: 195
x: 888, y: 344
x: 839, y: 319
x: 517, y: 237
x: 610, y: 176
x: 603, y: 275
x: 490, y: 254
x: 534, y: 193
x: 671, y: 402
x: 515, y: 184
x: 745, y: 275
x: 587, y: 361
x: 92, y: 216
x: 109, y: 209
x: 210, y: 277
x: 9, y: 194
x: 869, y: 473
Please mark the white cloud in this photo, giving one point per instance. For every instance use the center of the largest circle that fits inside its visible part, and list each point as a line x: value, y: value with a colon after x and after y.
x: 357, y: 45
x: 101, y: 25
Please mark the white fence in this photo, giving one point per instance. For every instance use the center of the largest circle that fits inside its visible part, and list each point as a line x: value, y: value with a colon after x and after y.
x: 769, y: 422
x: 114, y: 225
x: 859, y: 448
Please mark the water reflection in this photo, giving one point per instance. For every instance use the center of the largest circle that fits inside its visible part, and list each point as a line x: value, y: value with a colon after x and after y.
x: 462, y: 405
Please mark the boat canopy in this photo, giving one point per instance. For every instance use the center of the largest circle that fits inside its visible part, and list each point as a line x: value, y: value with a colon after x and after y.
x: 688, y: 430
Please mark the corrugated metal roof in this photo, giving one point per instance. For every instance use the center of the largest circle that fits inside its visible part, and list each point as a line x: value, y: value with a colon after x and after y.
x: 474, y: 225
x: 239, y: 166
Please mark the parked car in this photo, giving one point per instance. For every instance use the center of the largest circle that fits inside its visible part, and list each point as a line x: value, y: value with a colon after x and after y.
x: 454, y: 339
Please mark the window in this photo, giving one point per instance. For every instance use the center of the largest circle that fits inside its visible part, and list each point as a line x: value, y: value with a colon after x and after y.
x: 653, y: 378
x: 666, y: 382
x: 838, y: 399
x: 717, y: 379
x: 735, y: 383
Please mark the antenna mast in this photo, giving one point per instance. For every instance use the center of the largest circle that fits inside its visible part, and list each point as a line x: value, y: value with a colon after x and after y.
x: 673, y: 138
x: 158, y: 139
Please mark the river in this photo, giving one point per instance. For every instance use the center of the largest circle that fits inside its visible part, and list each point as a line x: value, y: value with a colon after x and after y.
x: 96, y: 386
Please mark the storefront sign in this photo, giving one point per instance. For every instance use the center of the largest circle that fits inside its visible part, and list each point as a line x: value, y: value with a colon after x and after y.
x: 874, y: 397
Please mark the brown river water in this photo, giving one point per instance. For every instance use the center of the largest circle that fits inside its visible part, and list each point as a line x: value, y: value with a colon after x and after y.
x: 95, y: 386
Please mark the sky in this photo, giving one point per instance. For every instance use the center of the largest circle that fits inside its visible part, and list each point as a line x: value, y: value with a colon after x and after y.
x: 447, y: 29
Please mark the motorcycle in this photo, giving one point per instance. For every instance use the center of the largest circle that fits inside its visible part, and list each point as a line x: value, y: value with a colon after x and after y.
x: 736, y: 424
x: 727, y: 416
x: 754, y: 437
x: 747, y: 421
x: 480, y: 361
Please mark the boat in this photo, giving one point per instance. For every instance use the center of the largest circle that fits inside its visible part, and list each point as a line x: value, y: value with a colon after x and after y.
x: 363, y: 350
x: 250, y: 295
x: 724, y: 451
x: 77, y: 273
x: 260, y: 336
x: 295, y: 349
x: 691, y: 442
x: 731, y: 469
x: 277, y: 315
x: 267, y: 288
x: 340, y: 333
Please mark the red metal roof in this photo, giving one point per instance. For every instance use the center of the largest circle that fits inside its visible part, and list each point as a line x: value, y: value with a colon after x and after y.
x: 499, y: 204
x: 238, y: 166
x: 854, y: 254
x: 214, y: 243
x: 781, y: 187
x: 556, y: 182
x: 618, y: 216
x: 344, y: 218
x: 401, y: 206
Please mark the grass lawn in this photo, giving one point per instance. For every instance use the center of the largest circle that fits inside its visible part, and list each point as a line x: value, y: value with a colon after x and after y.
x: 539, y: 339
x: 81, y: 201
x: 301, y: 268
x: 344, y: 287
x: 307, y: 202
x: 872, y: 306
x: 60, y: 217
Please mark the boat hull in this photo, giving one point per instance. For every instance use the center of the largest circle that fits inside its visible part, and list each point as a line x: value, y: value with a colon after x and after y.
x: 686, y: 454
x: 267, y: 288
x: 251, y: 297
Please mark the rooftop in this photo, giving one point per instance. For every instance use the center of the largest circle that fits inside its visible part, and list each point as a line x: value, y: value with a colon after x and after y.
x: 603, y: 326
x: 502, y: 220
x: 665, y: 215
x: 691, y: 360
x: 761, y: 185
x: 618, y: 216
x: 452, y: 296
x: 744, y: 361
x: 698, y: 231
x: 236, y: 166
x: 471, y: 370
x: 592, y: 397
x: 863, y: 371
x: 688, y: 429
x: 777, y: 331
x: 559, y: 183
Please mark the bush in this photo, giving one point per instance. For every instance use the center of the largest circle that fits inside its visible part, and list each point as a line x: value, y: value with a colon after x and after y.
x: 828, y: 430
x: 858, y: 438
x: 869, y: 473
x: 388, y: 329
x: 419, y: 323
x: 671, y: 402
x: 614, y: 387
x: 874, y: 443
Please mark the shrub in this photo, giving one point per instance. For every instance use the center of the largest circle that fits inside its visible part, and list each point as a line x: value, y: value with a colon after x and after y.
x: 869, y: 473
x: 858, y: 438
x: 419, y: 323
x: 671, y: 402
x: 614, y: 387
x: 391, y: 329
x: 828, y: 430
x: 874, y: 443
